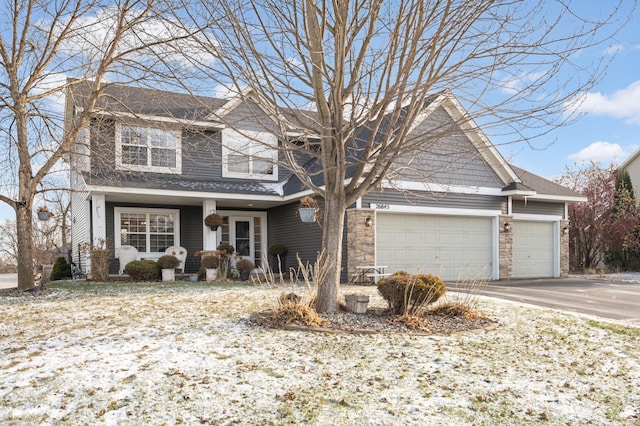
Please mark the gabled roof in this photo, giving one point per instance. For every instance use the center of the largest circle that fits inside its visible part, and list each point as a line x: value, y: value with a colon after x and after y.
x: 629, y: 160
x: 544, y: 189
x: 121, y: 98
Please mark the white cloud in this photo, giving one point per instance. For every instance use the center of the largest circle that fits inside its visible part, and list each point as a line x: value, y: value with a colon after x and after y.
x: 517, y: 83
x: 623, y: 104
x: 614, y: 49
x: 95, y: 33
x: 602, y: 152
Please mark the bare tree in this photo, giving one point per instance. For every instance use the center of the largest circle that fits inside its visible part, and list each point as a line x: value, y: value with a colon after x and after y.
x: 352, y: 79
x: 46, y: 47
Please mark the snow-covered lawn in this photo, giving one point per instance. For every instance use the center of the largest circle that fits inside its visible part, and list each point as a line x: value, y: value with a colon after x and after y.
x: 186, y: 354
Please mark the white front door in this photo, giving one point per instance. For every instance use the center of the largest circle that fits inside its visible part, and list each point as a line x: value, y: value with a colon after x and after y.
x: 241, y: 236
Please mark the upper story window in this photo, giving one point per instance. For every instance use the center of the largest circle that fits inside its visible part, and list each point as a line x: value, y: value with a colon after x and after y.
x: 249, y: 155
x: 148, y: 149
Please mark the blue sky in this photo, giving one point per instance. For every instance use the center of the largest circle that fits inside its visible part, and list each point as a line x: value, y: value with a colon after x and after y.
x: 609, y: 130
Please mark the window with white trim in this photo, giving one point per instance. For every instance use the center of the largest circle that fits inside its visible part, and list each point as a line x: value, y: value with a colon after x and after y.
x: 249, y: 155
x: 148, y: 230
x: 146, y: 148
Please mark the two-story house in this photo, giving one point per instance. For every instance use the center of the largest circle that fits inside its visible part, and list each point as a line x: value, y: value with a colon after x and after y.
x: 152, y: 164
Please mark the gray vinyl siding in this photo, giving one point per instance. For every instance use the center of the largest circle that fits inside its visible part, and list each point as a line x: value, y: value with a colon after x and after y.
x: 249, y: 116
x: 441, y: 200
x: 538, y: 207
x: 190, y: 232
x: 305, y: 239
x: 446, y: 156
x: 201, y: 155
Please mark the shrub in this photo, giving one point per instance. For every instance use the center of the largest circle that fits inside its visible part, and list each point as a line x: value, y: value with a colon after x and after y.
x: 210, y: 262
x: 245, y: 265
x: 277, y: 250
x: 61, y: 269
x: 406, y: 293
x: 143, y: 270
x: 168, y: 262
x: 226, y: 249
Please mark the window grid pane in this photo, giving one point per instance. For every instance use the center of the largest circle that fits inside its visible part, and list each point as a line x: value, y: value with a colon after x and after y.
x: 135, y: 155
x: 163, y: 157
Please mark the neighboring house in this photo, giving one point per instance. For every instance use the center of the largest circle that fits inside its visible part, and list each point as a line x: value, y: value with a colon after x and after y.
x: 632, y: 166
x: 152, y: 164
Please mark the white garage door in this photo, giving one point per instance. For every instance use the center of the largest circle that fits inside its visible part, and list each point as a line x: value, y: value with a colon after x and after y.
x: 533, y: 253
x: 452, y: 247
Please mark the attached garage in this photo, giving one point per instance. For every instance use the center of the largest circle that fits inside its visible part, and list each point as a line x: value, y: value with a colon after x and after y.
x: 534, y: 251
x: 453, y: 247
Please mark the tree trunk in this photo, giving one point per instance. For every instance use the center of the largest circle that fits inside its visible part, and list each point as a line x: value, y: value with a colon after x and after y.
x: 329, y: 283
x: 25, y: 246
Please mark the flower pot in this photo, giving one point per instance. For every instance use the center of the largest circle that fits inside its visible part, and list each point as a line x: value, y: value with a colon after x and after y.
x: 244, y: 276
x: 357, y: 303
x: 211, y: 274
x: 193, y: 278
x: 214, y: 228
x: 307, y: 214
x: 44, y: 216
x: 168, y: 275
x: 277, y: 264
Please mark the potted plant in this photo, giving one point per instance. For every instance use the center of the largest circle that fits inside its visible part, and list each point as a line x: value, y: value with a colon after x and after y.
x: 168, y: 264
x: 308, y: 209
x: 244, y: 267
x: 277, y: 253
x: 44, y: 214
x: 210, y: 263
x: 213, y: 221
x: 225, y: 252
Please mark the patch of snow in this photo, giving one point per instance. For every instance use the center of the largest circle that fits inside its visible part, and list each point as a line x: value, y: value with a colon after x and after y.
x: 152, y: 355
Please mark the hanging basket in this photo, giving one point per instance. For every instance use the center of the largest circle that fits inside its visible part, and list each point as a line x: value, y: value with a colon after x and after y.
x: 44, y: 215
x: 307, y: 214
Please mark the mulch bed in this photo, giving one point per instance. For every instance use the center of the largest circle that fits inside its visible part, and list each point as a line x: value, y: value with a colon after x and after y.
x: 379, y: 320
x: 34, y: 292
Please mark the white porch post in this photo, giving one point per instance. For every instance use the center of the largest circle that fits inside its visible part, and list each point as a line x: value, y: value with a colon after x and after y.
x: 98, y: 219
x: 209, y: 237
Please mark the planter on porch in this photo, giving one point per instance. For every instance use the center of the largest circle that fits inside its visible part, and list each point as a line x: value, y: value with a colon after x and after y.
x: 211, y: 274
x: 168, y: 275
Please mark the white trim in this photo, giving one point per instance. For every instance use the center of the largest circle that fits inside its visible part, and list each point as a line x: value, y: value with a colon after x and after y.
x: 555, y: 221
x: 437, y: 187
x: 209, y: 238
x: 559, y: 198
x: 232, y: 214
x: 493, y: 215
x: 443, y: 211
x: 489, y: 152
x: 149, y: 167
x: 256, y: 141
x: 538, y: 217
x: 117, y: 211
x: 162, y: 119
x: 98, y: 219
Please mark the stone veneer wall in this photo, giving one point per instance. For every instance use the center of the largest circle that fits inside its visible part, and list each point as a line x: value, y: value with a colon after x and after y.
x: 505, y: 242
x: 361, y: 242
x: 564, y: 249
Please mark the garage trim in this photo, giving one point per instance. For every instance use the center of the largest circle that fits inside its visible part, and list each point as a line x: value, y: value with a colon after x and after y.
x: 494, y: 215
x: 556, y: 235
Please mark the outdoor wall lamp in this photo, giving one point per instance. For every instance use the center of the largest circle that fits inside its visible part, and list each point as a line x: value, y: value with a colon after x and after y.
x: 565, y: 230
x: 506, y: 227
x: 368, y: 222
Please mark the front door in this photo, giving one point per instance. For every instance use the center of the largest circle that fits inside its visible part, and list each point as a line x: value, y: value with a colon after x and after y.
x: 241, y: 236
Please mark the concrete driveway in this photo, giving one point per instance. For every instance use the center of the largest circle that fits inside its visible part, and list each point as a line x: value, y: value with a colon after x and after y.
x: 8, y: 280
x: 605, y: 298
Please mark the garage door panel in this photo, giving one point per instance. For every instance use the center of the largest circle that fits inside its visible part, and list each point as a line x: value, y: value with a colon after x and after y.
x: 533, y: 253
x: 450, y: 246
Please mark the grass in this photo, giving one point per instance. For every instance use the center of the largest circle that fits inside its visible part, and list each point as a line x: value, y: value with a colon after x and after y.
x: 168, y: 353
